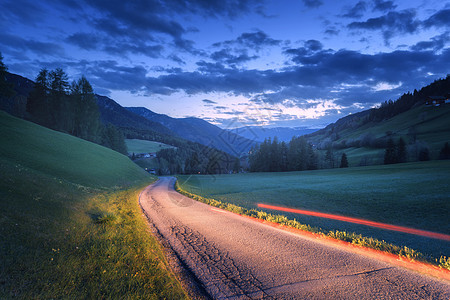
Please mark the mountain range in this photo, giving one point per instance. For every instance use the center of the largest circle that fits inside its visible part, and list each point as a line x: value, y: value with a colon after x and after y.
x: 200, y: 131
x: 360, y: 134
x: 283, y: 134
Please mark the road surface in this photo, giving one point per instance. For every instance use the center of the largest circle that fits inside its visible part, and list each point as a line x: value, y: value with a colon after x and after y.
x: 233, y: 257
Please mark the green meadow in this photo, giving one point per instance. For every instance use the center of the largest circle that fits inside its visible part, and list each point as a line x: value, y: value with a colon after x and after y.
x: 415, y: 195
x: 70, y: 222
x: 144, y: 146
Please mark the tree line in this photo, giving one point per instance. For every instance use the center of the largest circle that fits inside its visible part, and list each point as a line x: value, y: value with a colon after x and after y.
x: 391, y: 108
x: 71, y: 108
x: 196, y: 159
x: 297, y: 155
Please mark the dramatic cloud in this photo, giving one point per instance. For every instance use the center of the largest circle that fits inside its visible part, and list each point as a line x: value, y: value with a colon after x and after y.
x: 217, y: 59
x: 439, y: 19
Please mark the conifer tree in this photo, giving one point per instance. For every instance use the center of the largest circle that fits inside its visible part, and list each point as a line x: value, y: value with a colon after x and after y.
x: 86, y: 114
x: 344, y: 161
x: 38, y: 100
x: 6, y: 89
x: 390, y: 154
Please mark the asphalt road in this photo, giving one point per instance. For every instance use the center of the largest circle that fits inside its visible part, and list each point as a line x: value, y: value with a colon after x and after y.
x: 234, y: 257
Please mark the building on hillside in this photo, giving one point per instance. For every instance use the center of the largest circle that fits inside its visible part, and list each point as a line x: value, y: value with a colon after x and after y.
x: 437, y: 100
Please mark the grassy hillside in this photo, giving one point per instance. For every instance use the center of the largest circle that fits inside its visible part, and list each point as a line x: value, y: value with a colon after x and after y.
x: 427, y: 126
x: 413, y: 194
x: 70, y: 223
x: 144, y: 146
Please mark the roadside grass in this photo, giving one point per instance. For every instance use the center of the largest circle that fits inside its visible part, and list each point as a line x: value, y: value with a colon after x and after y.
x: 412, y: 195
x: 66, y: 233
x: 144, y: 146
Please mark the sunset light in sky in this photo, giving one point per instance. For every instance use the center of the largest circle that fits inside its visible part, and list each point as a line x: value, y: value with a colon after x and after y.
x: 274, y: 63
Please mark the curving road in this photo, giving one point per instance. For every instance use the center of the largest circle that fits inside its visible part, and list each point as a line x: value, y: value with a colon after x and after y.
x: 234, y: 257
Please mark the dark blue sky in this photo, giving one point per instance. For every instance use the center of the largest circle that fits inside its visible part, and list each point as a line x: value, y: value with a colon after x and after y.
x: 276, y: 63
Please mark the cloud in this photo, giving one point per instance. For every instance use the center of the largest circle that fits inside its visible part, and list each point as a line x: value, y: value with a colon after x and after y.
x: 216, y: 8
x: 207, y: 101
x: 255, y: 40
x: 391, y: 24
x: 225, y: 56
x: 85, y: 41
x: 356, y: 11
x: 439, y: 19
x: 320, y: 74
x: 119, y: 47
x: 312, y: 3
x: 435, y: 43
x: 16, y: 43
x: 380, y: 5
x: 13, y: 11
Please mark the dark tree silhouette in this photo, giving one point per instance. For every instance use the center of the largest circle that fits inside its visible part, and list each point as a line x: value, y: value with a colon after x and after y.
x: 445, y: 152
x: 6, y: 89
x: 344, y: 161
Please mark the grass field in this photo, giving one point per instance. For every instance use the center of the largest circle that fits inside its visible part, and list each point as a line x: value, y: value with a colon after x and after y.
x: 144, y: 146
x: 70, y: 223
x: 414, y: 195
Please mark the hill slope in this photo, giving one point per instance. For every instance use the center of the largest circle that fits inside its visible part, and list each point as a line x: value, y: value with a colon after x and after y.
x: 365, y: 134
x: 114, y: 113
x: 70, y: 223
x: 200, y: 131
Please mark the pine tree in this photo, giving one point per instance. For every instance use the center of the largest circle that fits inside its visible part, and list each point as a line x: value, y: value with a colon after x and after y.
x: 344, y: 161
x: 38, y: 100
x: 390, y: 155
x: 86, y: 114
x: 329, y: 158
x: 237, y: 165
x: 6, y: 89
x: 60, y: 106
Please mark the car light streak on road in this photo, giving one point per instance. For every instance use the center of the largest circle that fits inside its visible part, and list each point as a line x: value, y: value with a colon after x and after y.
x: 429, y: 234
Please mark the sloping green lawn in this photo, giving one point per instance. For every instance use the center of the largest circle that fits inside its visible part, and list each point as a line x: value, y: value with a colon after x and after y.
x: 70, y: 223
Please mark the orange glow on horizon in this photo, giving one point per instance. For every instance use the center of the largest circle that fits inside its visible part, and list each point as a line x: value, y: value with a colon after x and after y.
x: 429, y: 234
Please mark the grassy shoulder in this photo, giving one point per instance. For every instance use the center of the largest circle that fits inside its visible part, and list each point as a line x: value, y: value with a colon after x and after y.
x: 66, y: 233
x: 238, y: 183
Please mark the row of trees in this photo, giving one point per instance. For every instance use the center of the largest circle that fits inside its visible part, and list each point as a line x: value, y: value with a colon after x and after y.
x: 395, y: 152
x: 297, y: 155
x: 392, y: 108
x: 72, y: 109
x: 196, y: 159
x: 272, y: 156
